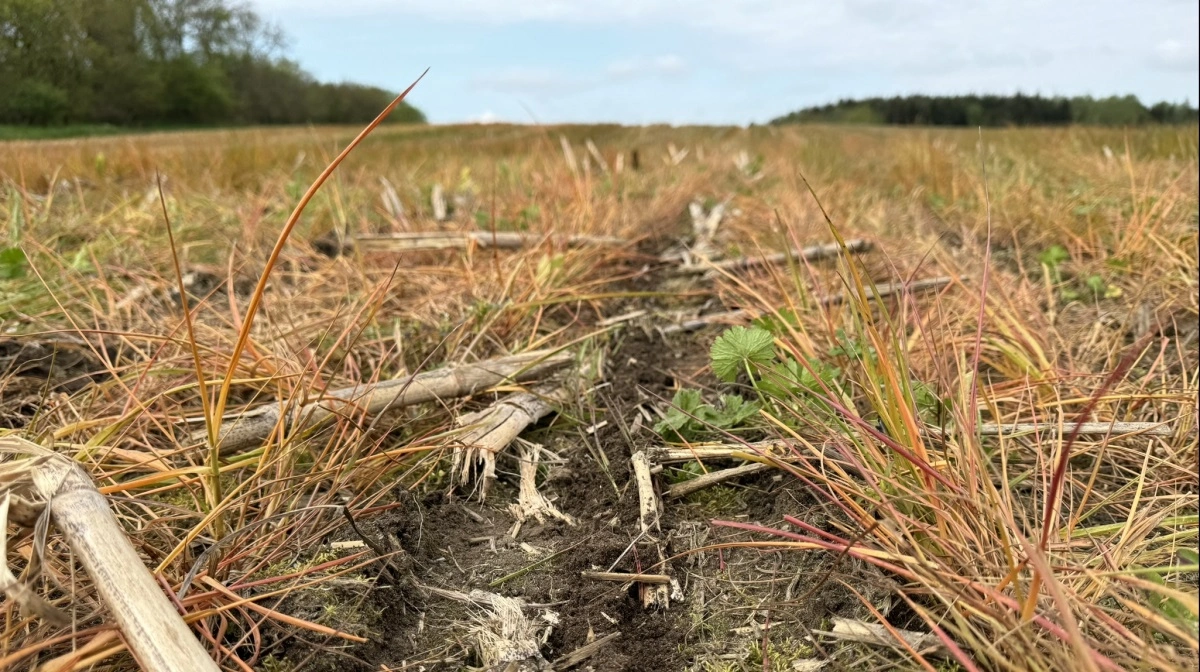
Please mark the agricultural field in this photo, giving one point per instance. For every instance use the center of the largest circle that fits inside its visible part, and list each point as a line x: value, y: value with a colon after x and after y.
x: 957, y: 430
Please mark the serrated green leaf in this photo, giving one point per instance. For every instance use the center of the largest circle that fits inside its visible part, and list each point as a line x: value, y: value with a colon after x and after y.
x: 736, y: 410
x: 739, y: 347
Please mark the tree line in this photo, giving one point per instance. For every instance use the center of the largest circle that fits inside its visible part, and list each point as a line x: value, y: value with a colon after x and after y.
x: 1016, y: 110
x: 163, y: 63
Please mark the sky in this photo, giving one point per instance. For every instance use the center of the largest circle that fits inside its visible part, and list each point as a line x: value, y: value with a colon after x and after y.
x: 735, y: 61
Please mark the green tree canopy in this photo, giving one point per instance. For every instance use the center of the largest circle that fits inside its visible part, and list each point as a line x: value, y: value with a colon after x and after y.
x: 1016, y: 110
x: 162, y: 62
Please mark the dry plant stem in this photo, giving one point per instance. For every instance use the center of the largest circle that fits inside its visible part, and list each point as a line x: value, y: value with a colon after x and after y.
x: 13, y: 588
x: 649, y: 512
x: 251, y: 428
x: 583, y: 653
x: 491, y: 430
x: 154, y: 630
x: 1083, y: 428
x: 439, y: 240
x: 811, y: 253
x: 530, y: 501
x: 850, y: 630
x: 714, y: 477
x: 734, y: 316
x: 782, y: 450
x: 622, y: 578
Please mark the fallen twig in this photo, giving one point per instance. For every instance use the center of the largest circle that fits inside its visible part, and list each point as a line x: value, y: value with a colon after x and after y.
x: 252, y: 427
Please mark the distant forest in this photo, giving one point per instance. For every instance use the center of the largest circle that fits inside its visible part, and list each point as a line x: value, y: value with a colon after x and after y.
x: 162, y: 63
x: 1017, y: 110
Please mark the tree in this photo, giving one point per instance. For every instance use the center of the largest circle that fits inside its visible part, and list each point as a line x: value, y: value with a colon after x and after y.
x: 140, y: 62
x: 1016, y: 110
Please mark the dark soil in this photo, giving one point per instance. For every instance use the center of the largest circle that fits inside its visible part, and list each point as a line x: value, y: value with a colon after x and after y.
x: 728, y: 594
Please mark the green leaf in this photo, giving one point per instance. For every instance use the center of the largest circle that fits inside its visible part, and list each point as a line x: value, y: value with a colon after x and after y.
x: 690, y: 418
x: 679, y: 416
x: 930, y: 407
x: 739, y: 347
x: 735, y: 411
x: 12, y: 263
x: 1054, y: 256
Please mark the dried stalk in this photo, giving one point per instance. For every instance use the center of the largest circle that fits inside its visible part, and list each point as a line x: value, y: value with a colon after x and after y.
x: 491, y: 430
x: 531, y: 503
x: 584, y: 652
x: 736, y: 316
x: 619, y: 577
x: 811, y: 253
x: 156, y: 634
x: 849, y: 630
x: 441, y: 240
x: 649, y: 513
x: 251, y: 428
x: 714, y: 477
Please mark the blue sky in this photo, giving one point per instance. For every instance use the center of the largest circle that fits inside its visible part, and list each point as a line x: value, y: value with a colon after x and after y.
x: 735, y: 61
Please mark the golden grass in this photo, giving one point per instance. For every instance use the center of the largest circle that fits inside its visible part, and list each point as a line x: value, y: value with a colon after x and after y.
x: 1023, y: 553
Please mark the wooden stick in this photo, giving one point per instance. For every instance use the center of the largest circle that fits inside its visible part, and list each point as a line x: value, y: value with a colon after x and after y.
x: 442, y: 240
x: 811, y: 253
x: 491, y: 430
x: 627, y: 578
x: 739, y: 316
x: 251, y: 428
x: 156, y: 633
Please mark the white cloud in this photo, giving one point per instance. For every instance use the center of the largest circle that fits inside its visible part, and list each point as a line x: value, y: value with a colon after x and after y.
x: 546, y: 81
x: 668, y: 64
x: 488, y: 117
x: 1175, y: 55
x: 526, y: 80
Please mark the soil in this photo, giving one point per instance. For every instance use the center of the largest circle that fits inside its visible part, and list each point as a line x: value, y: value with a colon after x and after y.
x: 730, y: 596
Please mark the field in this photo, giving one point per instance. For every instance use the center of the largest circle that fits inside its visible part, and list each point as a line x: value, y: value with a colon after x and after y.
x: 796, y: 446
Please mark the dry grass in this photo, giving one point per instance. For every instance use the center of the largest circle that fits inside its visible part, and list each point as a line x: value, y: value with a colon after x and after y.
x: 1020, y: 553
